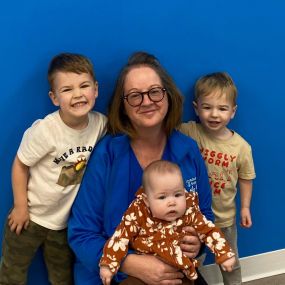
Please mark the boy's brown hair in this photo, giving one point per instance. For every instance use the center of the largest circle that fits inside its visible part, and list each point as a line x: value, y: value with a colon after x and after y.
x: 69, y: 62
x: 218, y: 81
x: 118, y: 121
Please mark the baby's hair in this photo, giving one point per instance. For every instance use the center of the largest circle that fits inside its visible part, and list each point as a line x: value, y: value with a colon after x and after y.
x: 159, y: 167
x: 69, y: 62
x: 218, y: 81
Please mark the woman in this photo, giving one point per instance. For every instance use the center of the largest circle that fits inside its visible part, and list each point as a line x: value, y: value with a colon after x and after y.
x: 145, y: 109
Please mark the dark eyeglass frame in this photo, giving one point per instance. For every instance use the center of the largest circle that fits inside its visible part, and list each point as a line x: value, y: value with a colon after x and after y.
x: 125, y: 97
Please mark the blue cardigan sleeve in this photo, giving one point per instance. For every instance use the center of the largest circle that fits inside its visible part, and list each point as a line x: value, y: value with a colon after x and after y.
x: 86, y: 234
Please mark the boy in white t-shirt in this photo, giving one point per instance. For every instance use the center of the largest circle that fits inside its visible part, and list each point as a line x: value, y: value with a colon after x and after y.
x: 47, y: 171
x: 227, y: 155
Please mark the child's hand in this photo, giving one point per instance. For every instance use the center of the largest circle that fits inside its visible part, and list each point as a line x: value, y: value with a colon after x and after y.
x: 245, y: 218
x: 106, y: 275
x: 18, y: 219
x: 228, y: 264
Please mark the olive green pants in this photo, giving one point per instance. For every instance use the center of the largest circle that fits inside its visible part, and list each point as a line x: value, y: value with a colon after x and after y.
x: 19, y: 250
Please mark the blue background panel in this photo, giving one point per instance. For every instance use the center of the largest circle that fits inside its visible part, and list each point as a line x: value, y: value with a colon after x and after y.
x: 191, y: 38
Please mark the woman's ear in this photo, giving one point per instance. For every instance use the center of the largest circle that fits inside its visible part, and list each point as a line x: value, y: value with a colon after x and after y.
x: 53, y: 98
x: 145, y: 199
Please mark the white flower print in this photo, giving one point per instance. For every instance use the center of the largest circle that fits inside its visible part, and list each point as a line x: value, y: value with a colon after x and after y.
x: 118, y: 243
x: 113, y: 265
x: 149, y: 222
x: 216, y: 241
x: 177, y: 252
x: 129, y: 221
x: 208, y: 222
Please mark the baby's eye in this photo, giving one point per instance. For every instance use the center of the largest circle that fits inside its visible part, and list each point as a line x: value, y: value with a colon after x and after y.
x: 161, y: 197
x: 178, y: 194
x: 85, y: 86
x: 206, y: 108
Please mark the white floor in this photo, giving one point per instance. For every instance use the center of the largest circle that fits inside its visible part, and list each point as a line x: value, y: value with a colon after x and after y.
x: 253, y: 267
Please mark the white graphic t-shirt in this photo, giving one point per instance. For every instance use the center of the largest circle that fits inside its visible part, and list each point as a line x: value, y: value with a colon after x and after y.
x: 57, y: 155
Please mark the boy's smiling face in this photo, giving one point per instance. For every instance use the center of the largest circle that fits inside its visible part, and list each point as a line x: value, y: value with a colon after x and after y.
x: 215, y: 112
x: 75, y: 94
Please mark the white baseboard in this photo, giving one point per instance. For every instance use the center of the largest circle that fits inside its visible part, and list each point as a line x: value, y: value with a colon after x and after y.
x: 253, y: 267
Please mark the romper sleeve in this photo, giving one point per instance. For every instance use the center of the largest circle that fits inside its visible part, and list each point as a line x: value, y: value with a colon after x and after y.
x: 116, y: 247
x: 212, y: 236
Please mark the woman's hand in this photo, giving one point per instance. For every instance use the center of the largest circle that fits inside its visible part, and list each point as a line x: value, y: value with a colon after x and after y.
x: 190, y: 244
x: 151, y: 270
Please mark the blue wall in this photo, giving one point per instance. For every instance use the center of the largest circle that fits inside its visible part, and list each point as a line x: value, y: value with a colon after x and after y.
x: 245, y: 38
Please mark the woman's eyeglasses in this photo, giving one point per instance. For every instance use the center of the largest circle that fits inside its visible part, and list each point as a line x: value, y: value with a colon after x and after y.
x: 135, y: 99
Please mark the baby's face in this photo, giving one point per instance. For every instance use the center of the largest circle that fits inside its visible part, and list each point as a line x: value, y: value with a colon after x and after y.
x: 166, y: 196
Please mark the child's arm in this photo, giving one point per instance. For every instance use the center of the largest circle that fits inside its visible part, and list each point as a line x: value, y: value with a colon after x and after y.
x: 19, y: 216
x: 245, y: 187
x: 106, y: 275
x: 228, y: 264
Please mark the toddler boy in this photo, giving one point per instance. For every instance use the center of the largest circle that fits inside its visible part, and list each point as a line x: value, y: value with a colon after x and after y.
x: 227, y: 155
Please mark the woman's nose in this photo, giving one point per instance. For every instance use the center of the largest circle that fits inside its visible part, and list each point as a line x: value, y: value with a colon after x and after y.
x: 146, y: 100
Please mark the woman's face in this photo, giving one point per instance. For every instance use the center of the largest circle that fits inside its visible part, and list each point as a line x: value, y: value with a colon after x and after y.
x: 149, y: 114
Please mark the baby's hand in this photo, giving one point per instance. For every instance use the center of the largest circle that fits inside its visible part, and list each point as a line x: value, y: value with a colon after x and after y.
x: 106, y: 275
x: 228, y: 264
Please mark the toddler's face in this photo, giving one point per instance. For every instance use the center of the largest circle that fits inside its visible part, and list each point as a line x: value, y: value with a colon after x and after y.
x: 166, y: 196
x: 75, y: 94
x: 215, y: 112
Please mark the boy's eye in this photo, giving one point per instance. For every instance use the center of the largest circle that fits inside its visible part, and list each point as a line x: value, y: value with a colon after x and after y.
x: 85, y: 86
x: 66, y: 90
x: 178, y: 194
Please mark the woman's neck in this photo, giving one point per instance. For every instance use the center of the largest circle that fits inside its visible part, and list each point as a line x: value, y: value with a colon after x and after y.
x: 149, y: 146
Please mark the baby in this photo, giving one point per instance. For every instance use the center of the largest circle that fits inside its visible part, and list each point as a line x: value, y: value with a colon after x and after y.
x: 154, y: 222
